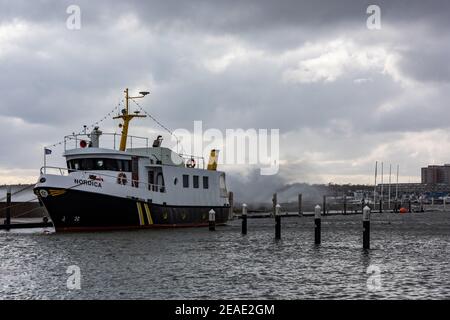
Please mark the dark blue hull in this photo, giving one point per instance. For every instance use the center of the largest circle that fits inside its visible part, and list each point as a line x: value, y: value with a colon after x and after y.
x: 73, y: 210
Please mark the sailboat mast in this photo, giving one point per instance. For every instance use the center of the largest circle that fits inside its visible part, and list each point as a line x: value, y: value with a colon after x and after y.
x: 375, y: 187
x: 389, y: 188
x: 396, y: 187
x: 382, y: 186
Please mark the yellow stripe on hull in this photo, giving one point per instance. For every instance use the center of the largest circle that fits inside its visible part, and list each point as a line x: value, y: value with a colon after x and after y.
x: 149, y: 214
x: 141, y: 216
x: 55, y: 193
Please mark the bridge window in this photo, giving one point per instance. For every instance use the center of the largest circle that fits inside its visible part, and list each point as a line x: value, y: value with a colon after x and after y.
x: 196, y: 182
x: 185, y: 181
x: 99, y: 164
x: 205, y: 182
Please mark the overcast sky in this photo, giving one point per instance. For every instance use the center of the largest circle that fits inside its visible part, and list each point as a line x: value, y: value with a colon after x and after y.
x: 342, y: 95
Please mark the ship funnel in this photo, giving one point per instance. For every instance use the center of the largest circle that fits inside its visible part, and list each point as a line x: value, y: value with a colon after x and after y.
x: 95, y: 137
x: 213, y: 157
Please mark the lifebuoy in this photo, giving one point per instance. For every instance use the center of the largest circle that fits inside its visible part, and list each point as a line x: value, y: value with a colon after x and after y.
x: 83, y: 144
x: 122, y: 178
x: 191, y: 163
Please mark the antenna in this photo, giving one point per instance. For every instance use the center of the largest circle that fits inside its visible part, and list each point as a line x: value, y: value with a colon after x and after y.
x: 127, y: 117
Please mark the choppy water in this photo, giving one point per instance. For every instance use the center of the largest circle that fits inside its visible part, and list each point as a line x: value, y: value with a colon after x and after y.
x: 412, y: 252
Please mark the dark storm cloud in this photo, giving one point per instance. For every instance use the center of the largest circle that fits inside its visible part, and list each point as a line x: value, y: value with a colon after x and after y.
x: 233, y: 15
x: 429, y: 62
x: 310, y: 68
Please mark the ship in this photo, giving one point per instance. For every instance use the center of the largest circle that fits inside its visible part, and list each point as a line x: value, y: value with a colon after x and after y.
x: 136, y: 187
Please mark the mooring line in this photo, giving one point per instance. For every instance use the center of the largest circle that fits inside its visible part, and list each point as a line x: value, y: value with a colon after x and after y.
x: 36, y: 198
x: 31, y: 185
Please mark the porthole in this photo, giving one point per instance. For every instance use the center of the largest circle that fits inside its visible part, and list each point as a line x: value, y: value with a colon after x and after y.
x: 43, y: 193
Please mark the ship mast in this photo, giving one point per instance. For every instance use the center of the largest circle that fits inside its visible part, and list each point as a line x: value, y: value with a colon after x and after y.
x: 127, y: 117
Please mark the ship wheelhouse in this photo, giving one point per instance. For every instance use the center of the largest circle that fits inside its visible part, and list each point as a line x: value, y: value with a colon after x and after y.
x: 99, y: 164
x: 153, y: 169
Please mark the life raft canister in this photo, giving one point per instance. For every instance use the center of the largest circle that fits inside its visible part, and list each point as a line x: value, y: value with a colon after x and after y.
x: 122, y: 178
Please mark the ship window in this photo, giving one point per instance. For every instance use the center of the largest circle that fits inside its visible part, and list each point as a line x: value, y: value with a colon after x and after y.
x: 205, y: 182
x: 87, y: 164
x: 124, y: 165
x: 151, y: 180
x: 196, y: 182
x: 112, y: 164
x: 160, y: 182
x: 185, y: 181
x: 223, y: 187
x: 99, y: 164
x: 175, y: 181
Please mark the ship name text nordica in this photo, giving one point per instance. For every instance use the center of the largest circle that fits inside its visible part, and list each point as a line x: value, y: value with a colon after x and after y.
x: 88, y: 182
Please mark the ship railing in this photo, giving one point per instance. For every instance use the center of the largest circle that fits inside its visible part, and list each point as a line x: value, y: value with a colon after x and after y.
x: 96, y: 176
x: 112, y: 141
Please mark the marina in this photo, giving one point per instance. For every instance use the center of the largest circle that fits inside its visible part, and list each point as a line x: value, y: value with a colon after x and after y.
x: 410, y: 250
x: 224, y: 159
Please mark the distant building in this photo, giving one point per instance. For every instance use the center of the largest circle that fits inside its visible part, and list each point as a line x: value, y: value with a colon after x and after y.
x: 415, y: 188
x: 436, y: 174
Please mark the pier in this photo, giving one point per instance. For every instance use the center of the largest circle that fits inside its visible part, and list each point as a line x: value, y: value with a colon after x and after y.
x: 20, y: 209
x: 27, y: 223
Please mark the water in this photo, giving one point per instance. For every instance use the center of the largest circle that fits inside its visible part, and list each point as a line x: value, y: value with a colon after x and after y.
x: 411, y: 251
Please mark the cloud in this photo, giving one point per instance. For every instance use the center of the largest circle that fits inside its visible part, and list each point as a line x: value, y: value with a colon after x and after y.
x: 340, y: 94
x: 326, y: 62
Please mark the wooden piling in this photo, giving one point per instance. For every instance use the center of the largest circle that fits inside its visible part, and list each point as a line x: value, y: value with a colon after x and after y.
x: 212, y: 220
x: 244, y: 219
x: 231, y: 202
x: 366, y: 227
x: 8, y: 207
x: 274, y: 203
x: 317, y: 225
x: 345, y: 204
x: 300, y: 210
x: 277, y: 222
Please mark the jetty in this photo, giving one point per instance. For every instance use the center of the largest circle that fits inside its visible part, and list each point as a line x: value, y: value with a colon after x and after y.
x: 20, y: 208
